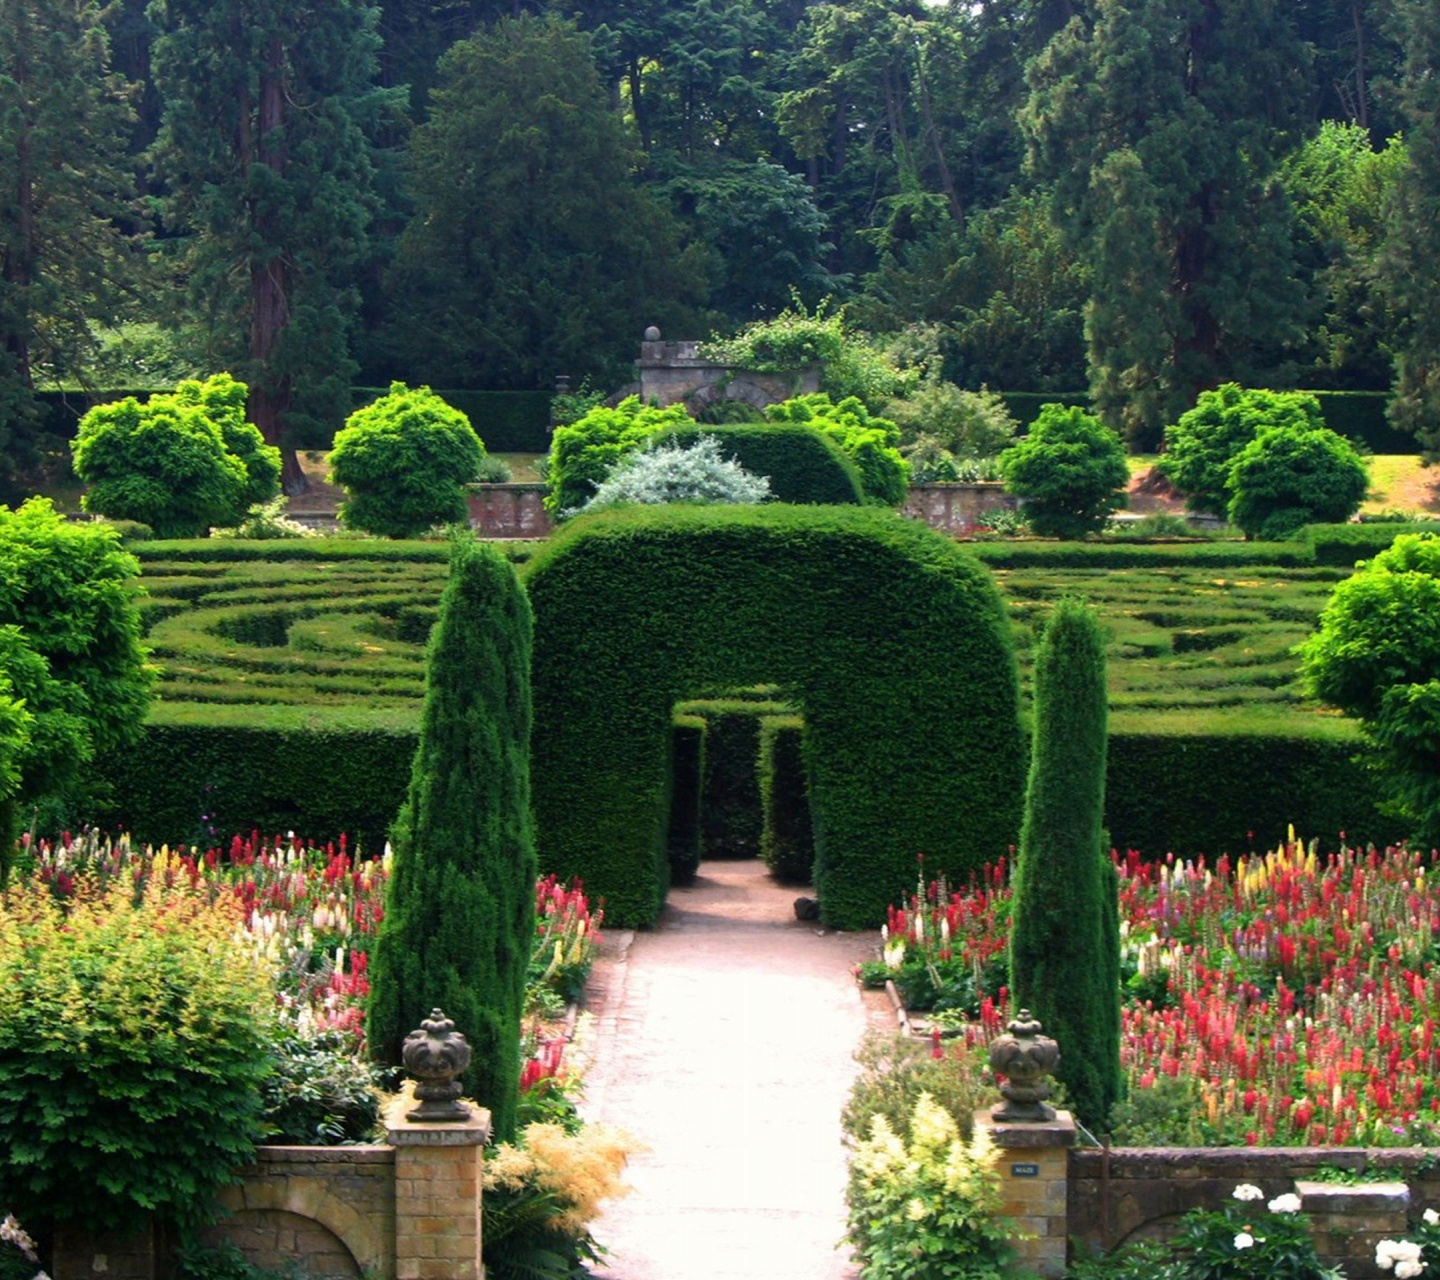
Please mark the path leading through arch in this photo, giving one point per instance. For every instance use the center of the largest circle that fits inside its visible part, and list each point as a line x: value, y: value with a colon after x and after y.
x: 722, y: 1039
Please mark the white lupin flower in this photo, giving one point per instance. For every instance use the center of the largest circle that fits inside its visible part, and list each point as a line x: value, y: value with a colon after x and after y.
x: 1244, y: 1240
x: 1248, y: 1191
x: 1288, y: 1203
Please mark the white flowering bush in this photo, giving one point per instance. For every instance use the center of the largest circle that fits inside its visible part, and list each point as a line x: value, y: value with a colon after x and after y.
x: 1244, y: 1241
x: 924, y: 1210
x: 698, y: 474
x: 18, y: 1258
x: 1415, y: 1257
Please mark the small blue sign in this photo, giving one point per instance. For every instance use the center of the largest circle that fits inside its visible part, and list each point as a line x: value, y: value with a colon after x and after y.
x: 1024, y: 1170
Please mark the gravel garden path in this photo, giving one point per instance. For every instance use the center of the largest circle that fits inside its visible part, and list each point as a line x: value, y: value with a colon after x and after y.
x: 722, y: 1040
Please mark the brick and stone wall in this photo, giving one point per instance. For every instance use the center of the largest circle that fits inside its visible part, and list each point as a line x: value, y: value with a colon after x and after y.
x: 509, y: 511
x: 956, y: 508
x: 1130, y: 1194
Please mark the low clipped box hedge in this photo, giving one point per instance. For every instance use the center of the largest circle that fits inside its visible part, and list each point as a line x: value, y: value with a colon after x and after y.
x: 889, y: 638
x: 1344, y: 544
x: 802, y: 464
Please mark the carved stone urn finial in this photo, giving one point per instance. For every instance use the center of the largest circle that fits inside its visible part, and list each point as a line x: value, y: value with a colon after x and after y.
x: 1024, y: 1058
x: 435, y: 1054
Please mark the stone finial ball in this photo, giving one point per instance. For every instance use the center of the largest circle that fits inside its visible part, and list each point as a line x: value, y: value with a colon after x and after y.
x: 652, y: 334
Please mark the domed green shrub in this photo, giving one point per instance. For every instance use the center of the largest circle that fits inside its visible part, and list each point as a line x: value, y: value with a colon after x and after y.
x: 404, y: 462
x: 801, y: 463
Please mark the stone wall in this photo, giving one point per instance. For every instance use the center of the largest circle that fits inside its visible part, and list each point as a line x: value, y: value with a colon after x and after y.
x: 405, y: 1210
x: 956, y: 508
x: 509, y: 511
x: 1127, y: 1194
x: 675, y: 373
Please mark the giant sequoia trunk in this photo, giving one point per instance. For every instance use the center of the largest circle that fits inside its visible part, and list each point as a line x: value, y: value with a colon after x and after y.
x: 270, y: 280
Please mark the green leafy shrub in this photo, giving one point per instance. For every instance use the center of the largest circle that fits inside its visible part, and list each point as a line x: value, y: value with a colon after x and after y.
x: 895, y: 1070
x: 583, y: 453
x: 267, y: 522
x: 404, y: 462
x: 318, y: 1093
x: 869, y: 442
x: 965, y: 424
x: 132, y: 1050
x: 1201, y: 447
x: 1285, y: 479
x: 179, y: 463
x: 1243, y: 1241
x: 1070, y: 470
x: 924, y: 1208
x: 695, y: 473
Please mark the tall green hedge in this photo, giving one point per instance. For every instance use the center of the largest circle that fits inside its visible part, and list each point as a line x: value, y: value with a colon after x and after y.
x: 1173, y: 790
x: 201, y: 773
x: 787, y: 840
x: 460, y: 909
x: 687, y: 771
x: 889, y: 638
x: 803, y: 464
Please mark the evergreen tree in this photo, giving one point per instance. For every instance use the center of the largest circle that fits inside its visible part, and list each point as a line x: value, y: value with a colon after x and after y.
x: 1413, y: 253
x: 269, y: 108
x: 64, y: 121
x: 1064, y: 946
x: 1159, y: 127
x: 532, y: 250
x: 459, y: 921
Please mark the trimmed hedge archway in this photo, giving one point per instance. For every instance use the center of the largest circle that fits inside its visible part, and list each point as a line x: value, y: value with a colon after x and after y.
x: 891, y: 639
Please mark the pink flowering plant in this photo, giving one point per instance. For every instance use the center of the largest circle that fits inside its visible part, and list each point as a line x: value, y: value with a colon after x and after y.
x: 18, y: 1257
x: 1281, y: 998
x: 1250, y: 1239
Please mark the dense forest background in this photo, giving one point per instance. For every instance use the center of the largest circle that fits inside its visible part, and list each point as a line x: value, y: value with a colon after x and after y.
x: 1142, y: 198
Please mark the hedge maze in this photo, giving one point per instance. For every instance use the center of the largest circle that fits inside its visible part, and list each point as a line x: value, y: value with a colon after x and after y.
x: 292, y: 675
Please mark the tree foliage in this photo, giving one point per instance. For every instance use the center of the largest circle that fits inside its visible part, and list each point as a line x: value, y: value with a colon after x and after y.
x: 65, y: 259
x: 267, y: 152
x: 70, y: 649
x: 1201, y: 446
x: 1064, y: 945
x: 1412, y: 265
x: 404, y: 462
x: 532, y: 250
x: 180, y: 462
x: 459, y: 921
x: 1375, y: 656
x: 1159, y: 126
x: 1070, y: 470
x: 1284, y: 479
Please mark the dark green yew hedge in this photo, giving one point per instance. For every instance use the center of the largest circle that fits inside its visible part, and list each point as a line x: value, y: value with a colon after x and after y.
x: 888, y: 637
x: 803, y: 464
x: 787, y: 840
x: 687, y: 769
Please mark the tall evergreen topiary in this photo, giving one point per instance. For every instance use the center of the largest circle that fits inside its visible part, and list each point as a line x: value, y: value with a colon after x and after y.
x: 460, y: 915
x: 1064, y: 946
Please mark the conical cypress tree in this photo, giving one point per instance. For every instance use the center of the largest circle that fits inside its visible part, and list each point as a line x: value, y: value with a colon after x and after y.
x: 1064, y: 947
x: 460, y: 914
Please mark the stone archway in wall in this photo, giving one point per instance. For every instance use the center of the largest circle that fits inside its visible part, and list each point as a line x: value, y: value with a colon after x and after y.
x: 722, y: 390
x: 889, y: 639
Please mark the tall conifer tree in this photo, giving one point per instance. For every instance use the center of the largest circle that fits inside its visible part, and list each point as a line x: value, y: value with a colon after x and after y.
x: 1064, y: 945
x: 266, y: 143
x: 460, y: 915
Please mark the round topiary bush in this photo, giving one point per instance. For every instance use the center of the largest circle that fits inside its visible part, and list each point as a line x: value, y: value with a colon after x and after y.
x: 802, y: 464
x: 1070, y: 470
x: 404, y: 462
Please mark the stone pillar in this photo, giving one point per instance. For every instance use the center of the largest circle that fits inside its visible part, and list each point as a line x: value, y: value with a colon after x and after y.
x: 1347, y: 1223
x: 1032, y: 1163
x: 437, y: 1196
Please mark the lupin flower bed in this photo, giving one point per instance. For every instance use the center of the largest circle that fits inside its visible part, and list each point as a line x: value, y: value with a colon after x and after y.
x: 1289, y: 998
x: 312, y: 910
